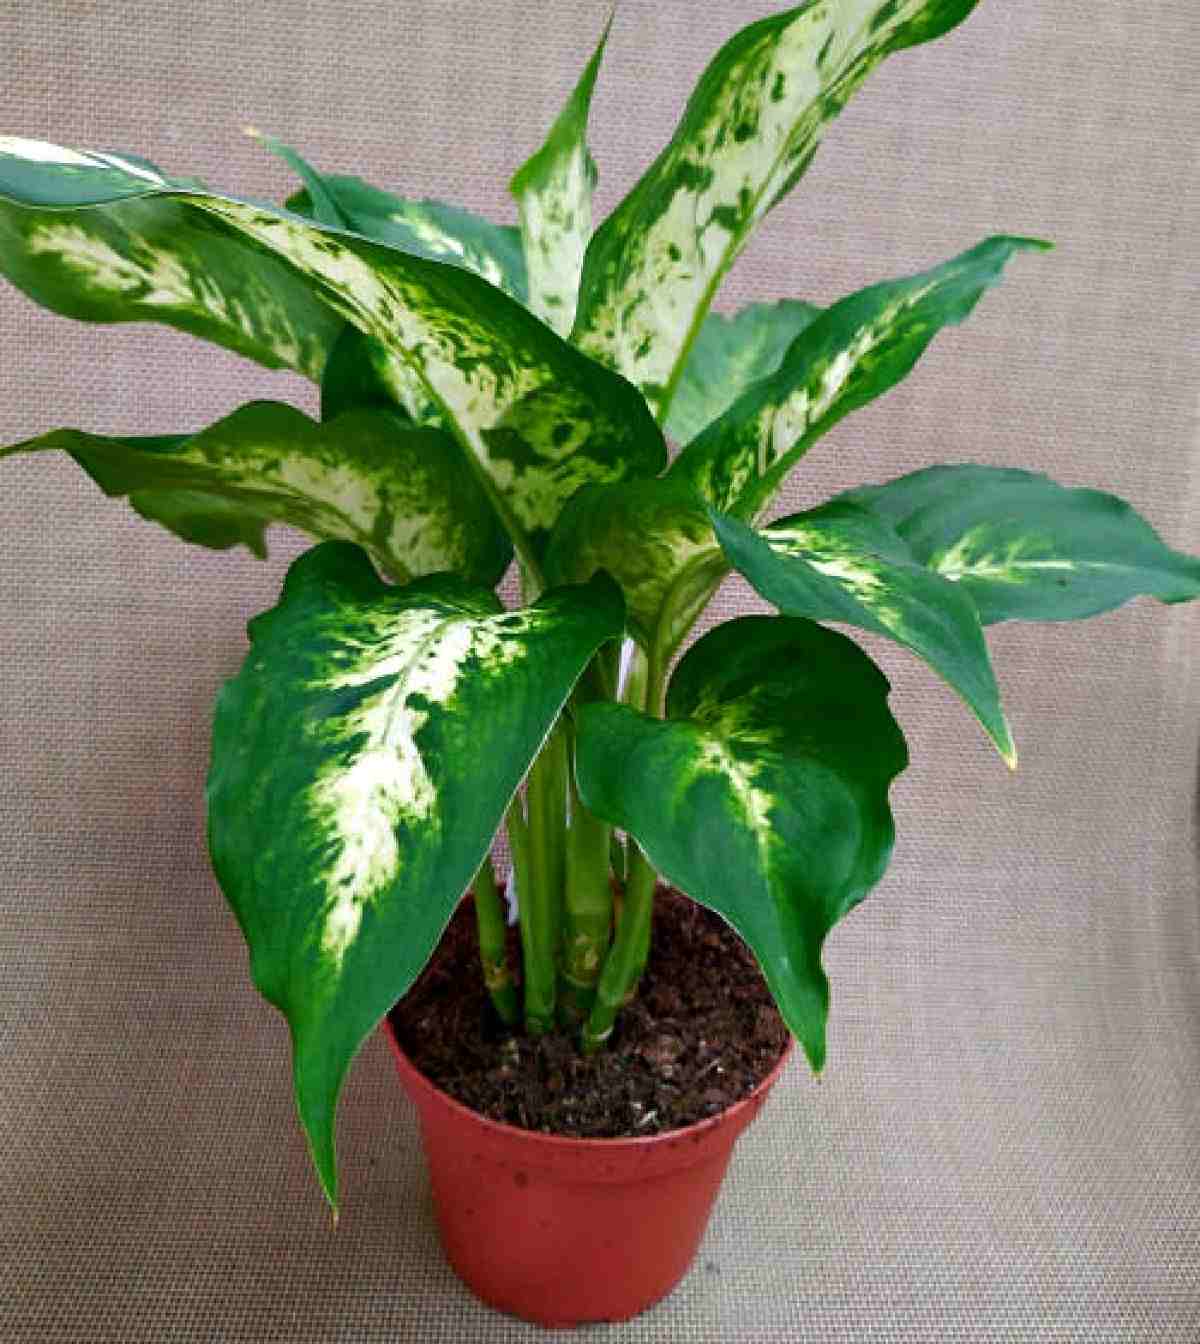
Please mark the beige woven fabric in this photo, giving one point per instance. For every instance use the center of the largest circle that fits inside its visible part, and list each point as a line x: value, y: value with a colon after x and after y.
x: 1005, y: 1146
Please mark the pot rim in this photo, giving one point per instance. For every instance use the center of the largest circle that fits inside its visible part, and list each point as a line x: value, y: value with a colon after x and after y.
x: 741, y: 1110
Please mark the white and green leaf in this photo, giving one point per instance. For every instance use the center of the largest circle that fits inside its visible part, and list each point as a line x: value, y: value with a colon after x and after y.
x: 404, y: 494
x: 1026, y: 548
x: 148, y: 259
x: 763, y: 795
x: 852, y: 353
x: 729, y: 355
x: 842, y: 562
x: 655, y: 539
x: 362, y: 761
x: 554, y: 189
x: 535, y: 417
x: 750, y: 129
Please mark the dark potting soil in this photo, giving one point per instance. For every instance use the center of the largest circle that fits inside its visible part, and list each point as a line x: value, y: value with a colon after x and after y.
x: 701, y: 1034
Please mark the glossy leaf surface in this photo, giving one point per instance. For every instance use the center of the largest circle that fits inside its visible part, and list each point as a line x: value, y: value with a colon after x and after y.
x: 554, y: 194
x: 1026, y: 548
x: 537, y: 418
x: 852, y: 353
x: 405, y: 494
x: 842, y: 562
x: 763, y: 795
x: 362, y: 761
x: 730, y: 353
x: 750, y: 129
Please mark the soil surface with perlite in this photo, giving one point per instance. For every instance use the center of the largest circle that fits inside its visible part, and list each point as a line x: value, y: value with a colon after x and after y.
x: 702, y: 1033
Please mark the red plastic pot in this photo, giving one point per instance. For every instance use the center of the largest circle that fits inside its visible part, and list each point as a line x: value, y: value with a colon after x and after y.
x: 563, y: 1231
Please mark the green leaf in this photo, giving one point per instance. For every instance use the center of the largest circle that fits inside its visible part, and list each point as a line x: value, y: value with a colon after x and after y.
x: 750, y: 129
x: 536, y: 418
x: 654, y: 538
x: 357, y: 376
x: 362, y: 761
x: 730, y: 353
x: 763, y: 795
x: 405, y: 494
x: 554, y: 196
x: 1025, y: 548
x: 852, y: 353
x: 427, y: 229
x: 148, y: 260
x: 841, y: 562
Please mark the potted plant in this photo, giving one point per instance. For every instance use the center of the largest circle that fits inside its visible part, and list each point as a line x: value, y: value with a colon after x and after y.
x: 491, y: 395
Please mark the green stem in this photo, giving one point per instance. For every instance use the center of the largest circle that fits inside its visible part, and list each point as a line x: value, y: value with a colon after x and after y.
x: 534, y: 927
x: 540, y: 892
x: 493, y: 937
x: 627, y: 960
x: 587, y: 917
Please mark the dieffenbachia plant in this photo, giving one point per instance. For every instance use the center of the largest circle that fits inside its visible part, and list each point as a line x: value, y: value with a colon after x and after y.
x: 493, y: 394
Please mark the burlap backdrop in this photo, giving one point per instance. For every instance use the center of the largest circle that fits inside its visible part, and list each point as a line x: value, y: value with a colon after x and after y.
x: 1005, y: 1143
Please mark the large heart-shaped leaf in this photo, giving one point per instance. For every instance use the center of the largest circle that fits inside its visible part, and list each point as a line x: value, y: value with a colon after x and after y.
x: 841, y: 562
x: 148, y: 260
x: 554, y: 194
x: 536, y: 418
x: 405, y: 494
x: 852, y: 353
x: 362, y: 761
x: 763, y: 795
x: 750, y: 129
x: 655, y: 539
x: 1026, y: 548
x: 730, y: 353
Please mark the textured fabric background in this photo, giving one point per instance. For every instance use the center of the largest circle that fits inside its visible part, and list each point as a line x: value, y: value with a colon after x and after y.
x: 1005, y: 1145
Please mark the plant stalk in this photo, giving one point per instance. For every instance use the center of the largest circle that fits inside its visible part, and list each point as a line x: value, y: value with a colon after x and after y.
x: 536, y: 957
x: 626, y: 961
x: 587, y: 915
x: 493, y: 937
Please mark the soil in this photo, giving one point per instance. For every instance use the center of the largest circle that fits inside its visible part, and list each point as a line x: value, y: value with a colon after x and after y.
x: 702, y: 1033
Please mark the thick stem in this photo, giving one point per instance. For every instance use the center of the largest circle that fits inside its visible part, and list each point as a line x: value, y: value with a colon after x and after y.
x: 627, y: 959
x: 493, y: 935
x: 587, y: 917
x: 537, y: 946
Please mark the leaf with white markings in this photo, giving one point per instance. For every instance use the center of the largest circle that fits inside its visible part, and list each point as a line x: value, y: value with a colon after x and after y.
x: 1026, y: 548
x: 148, y: 260
x: 763, y: 795
x: 655, y: 539
x: 748, y: 133
x: 730, y: 353
x: 841, y: 562
x: 852, y: 353
x: 554, y: 195
x: 404, y: 494
x: 536, y: 418
x: 362, y: 761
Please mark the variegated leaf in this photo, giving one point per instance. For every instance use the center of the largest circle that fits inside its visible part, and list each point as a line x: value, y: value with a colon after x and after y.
x: 1026, y: 548
x: 763, y: 795
x: 748, y: 133
x: 357, y: 375
x: 405, y: 494
x: 855, y: 351
x: 144, y: 260
x: 656, y: 540
x: 535, y: 417
x: 730, y: 353
x: 427, y: 229
x: 362, y: 761
x: 554, y: 195
x: 841, y: 562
